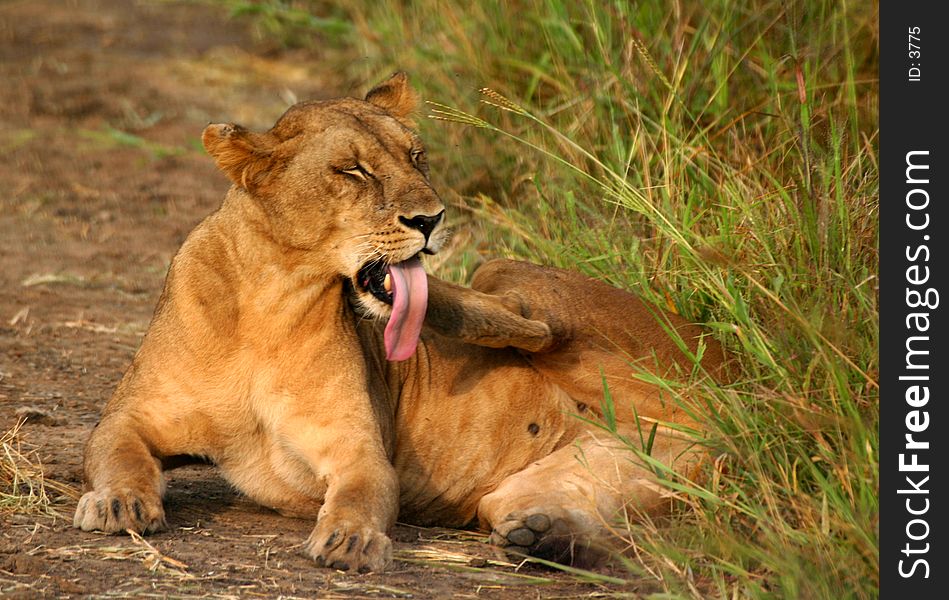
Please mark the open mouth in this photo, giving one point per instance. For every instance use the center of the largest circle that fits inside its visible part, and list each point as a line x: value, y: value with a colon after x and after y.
x: 375, y: 278
x: 404, y: 287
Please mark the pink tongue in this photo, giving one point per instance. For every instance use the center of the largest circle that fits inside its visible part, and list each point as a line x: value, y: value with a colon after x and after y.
x: 409, y: 301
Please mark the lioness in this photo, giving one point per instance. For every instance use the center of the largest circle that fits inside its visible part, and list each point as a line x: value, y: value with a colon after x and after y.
x: 300, y: 346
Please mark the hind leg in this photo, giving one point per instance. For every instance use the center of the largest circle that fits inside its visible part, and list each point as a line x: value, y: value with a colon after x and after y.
x: 563, y: 507
x: 494, y: 321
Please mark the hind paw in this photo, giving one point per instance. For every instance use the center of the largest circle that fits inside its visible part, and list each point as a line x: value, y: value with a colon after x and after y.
x: 558, y: 535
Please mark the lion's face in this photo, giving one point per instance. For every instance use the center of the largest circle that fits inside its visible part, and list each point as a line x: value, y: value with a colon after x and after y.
x: 345, y: 183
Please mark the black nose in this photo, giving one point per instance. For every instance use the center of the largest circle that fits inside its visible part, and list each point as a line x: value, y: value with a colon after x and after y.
x: 423, y: 223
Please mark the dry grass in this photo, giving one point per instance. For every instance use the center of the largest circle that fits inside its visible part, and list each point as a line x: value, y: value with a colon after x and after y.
x: 23, y: 486
x: 498, y: 570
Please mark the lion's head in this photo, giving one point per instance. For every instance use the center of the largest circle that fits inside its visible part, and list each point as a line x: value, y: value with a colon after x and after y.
x: 346, y: 183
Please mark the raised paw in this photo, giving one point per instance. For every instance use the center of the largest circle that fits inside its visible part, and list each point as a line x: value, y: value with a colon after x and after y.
x: 344, y: 546
x: 558, y: 535
x: 115, y: 510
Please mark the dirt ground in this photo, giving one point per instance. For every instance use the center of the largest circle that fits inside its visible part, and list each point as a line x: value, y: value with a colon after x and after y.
x: 101, y: 107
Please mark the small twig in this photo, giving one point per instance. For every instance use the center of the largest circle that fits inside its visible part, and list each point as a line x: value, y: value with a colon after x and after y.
x: 155, y: 554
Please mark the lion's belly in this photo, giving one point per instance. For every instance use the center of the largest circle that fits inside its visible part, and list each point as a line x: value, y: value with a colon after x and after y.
x: 468, y: 418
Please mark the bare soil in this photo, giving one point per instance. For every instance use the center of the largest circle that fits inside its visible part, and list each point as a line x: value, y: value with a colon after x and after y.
x: 102, y: 175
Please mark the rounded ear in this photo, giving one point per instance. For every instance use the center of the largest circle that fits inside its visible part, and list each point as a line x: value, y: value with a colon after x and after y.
x: 395, y: 96
x: 245, y: 157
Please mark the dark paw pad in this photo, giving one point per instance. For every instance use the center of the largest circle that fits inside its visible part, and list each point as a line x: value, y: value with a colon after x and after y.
x: 557, y: 539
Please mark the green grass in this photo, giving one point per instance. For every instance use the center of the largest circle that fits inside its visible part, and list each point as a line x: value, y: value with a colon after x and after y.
x: 108, y: 138
x: 718, y: 158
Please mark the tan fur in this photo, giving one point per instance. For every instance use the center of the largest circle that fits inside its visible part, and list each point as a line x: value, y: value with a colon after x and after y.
x: 266, y: 358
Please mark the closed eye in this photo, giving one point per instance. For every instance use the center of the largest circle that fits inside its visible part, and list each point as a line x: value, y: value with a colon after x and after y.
x: 419, y: 161
x: 358, y: 171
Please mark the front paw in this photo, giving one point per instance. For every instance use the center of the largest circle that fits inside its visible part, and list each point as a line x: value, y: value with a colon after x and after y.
x: 343, y: 545
x: 115, y: 510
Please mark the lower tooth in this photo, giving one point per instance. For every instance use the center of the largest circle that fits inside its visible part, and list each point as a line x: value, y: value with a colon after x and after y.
x: 387, y: 283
